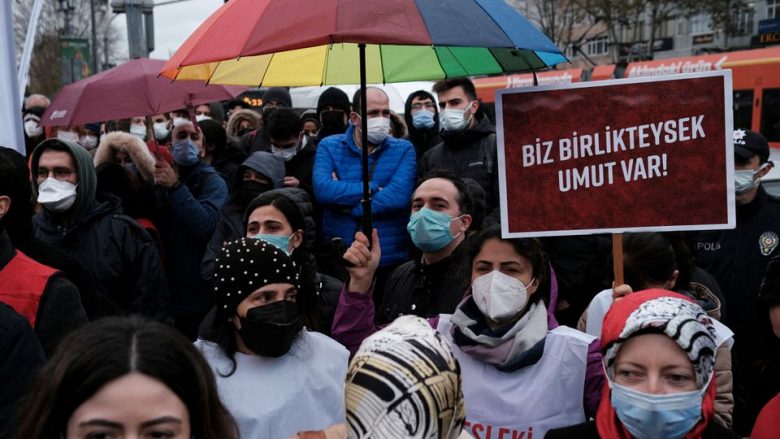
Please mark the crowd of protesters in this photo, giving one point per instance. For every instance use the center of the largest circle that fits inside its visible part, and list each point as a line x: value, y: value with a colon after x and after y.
x: 204, y: 274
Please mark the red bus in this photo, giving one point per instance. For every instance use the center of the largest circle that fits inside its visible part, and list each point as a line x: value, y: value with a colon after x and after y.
x: 755, y: 73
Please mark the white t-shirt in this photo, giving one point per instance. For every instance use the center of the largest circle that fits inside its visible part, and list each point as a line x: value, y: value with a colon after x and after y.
x: 278, y: 397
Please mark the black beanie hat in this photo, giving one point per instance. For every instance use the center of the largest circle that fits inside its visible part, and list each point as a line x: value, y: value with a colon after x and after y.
x: 334, y: 97
x: 280, y: 94
x: 245, y: 265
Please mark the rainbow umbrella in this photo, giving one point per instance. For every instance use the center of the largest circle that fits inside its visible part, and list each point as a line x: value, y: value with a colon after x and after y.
x: 326, y: 42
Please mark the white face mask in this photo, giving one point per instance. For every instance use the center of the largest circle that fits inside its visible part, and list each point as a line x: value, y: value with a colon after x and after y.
x: 200, y: 117
x: 32, y: 128
x: 378, y: 129
x: 139, y: 131
x: 68, y: 136
x: 161, y: 130
x: 453, y: 119
x: 179, y: 120
x: 88, y: 142
x: 498, y: 295
x: 56, y: 195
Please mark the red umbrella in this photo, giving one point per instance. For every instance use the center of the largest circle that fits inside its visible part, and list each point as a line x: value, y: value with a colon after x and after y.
x: 129, y: 90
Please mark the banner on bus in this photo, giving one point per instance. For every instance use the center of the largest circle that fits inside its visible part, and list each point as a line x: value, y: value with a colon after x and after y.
x: 642, y: 154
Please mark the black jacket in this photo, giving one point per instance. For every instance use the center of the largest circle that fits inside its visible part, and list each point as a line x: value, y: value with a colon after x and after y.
x: 426, y: 290
x: 738, y: 258
x: 20, y: 358
x: 469, y: 154
x: 119, y: 255
x: 587, y: 430
x: 59, y: 311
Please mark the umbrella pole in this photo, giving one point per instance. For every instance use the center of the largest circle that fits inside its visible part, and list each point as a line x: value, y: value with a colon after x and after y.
x: 366, y: 225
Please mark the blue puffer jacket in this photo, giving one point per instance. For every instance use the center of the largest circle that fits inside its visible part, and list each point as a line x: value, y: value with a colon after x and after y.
x: 392, y: 168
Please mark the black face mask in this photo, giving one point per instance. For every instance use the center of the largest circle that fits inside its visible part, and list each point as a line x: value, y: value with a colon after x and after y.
x: 332, y: 123
x: 250, y: 189
x: 270, y: 330
x: 243, y: 131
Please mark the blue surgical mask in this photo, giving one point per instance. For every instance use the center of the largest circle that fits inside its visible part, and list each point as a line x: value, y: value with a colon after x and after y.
x: 647, y: 416
x: 430, y: 230
x: 279, y: 241
x: 185, y: 152
x: 423, y: 120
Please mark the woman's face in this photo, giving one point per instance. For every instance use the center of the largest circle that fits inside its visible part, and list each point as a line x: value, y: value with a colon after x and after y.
x: 133, y: 406
x: 268, y: 220
x: 654, y: 364
x: 499, y: 255
x: 264, y: 296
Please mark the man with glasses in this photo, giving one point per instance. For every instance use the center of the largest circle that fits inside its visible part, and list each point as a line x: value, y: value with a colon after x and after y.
x: 422, y: 120
x: 190, y: 196
x: 120, y: 257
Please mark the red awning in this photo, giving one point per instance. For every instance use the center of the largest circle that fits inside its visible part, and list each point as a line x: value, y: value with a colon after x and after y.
x: 603, y: 72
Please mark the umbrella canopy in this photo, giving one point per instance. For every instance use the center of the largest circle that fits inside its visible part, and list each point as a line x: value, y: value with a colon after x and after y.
x: 129, y: 90
x: 315, y: 42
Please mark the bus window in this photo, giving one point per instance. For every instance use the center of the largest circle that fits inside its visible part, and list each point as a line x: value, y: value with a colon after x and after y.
x: 770, y: 114
x: 743, y: 108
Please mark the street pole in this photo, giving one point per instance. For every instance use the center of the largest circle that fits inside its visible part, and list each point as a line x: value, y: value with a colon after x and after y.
x: 135, y: 37
x: 94, y: 60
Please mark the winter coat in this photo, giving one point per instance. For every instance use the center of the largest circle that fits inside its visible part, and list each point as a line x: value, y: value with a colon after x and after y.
x: 121, y: 257
x: 59, y: 309
x: 738, y: 257
x: 469, y: 154
x: 130, y: 144
x: 190, y: 212
x: 426, y: 290
x: 21, y: 356
x: 392, y: 177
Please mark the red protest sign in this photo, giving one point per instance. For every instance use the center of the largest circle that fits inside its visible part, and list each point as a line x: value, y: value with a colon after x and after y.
x: 646, y: 154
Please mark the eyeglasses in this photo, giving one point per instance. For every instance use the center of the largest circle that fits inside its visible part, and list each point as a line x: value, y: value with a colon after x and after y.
x: 58, y: 173
x: 423, y: 105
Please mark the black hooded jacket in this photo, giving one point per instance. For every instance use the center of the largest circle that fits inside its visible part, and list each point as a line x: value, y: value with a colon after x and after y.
x: 423, y: 140
x: 471, y: 153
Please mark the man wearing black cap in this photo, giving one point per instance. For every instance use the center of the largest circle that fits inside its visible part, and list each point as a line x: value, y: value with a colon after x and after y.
x: 738, y: 258
x: 257, y: 140
x: 333, y: 111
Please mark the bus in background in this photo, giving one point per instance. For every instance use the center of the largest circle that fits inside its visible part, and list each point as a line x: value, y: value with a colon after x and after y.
x: 755, y: 74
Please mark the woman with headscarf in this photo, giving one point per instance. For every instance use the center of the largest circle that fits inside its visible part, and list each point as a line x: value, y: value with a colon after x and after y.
x: 659, y: 356
x: 274, y: 377
x: 522, y: 373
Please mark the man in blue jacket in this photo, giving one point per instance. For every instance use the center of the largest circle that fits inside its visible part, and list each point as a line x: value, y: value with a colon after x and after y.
x: 190, y: 194
x: 392, y: 169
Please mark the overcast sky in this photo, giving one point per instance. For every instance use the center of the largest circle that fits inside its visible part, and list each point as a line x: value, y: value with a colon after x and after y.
x: 172, y: 24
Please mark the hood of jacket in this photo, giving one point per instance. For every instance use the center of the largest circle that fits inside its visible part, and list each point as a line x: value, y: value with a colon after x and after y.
x: 139, y: 153
x: 265, y: 163
x: 85, y: 170
x: 414, y: 132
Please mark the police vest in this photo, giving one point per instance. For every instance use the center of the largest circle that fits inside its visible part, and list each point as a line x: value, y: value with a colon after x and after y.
x: 528, y: 402
x: 22, y: 282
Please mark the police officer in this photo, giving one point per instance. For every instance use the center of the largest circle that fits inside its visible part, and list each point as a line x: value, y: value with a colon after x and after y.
x: 738, y: 258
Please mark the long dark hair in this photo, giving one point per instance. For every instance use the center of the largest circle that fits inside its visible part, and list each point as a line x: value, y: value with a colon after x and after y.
x: 109, y: 349
x: 528, y: 248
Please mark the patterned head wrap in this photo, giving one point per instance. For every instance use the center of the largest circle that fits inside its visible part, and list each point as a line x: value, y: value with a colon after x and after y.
x: 661, y: 312
x: 245, y: 265
x: 404, y: 382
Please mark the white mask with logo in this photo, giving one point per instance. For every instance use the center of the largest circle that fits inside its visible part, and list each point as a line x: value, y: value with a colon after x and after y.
x: 56, y: 195
x: 499, y: 296
x: 453, y: 119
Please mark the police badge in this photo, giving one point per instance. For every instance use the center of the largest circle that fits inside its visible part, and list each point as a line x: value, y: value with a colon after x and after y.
x: 768, y: 243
